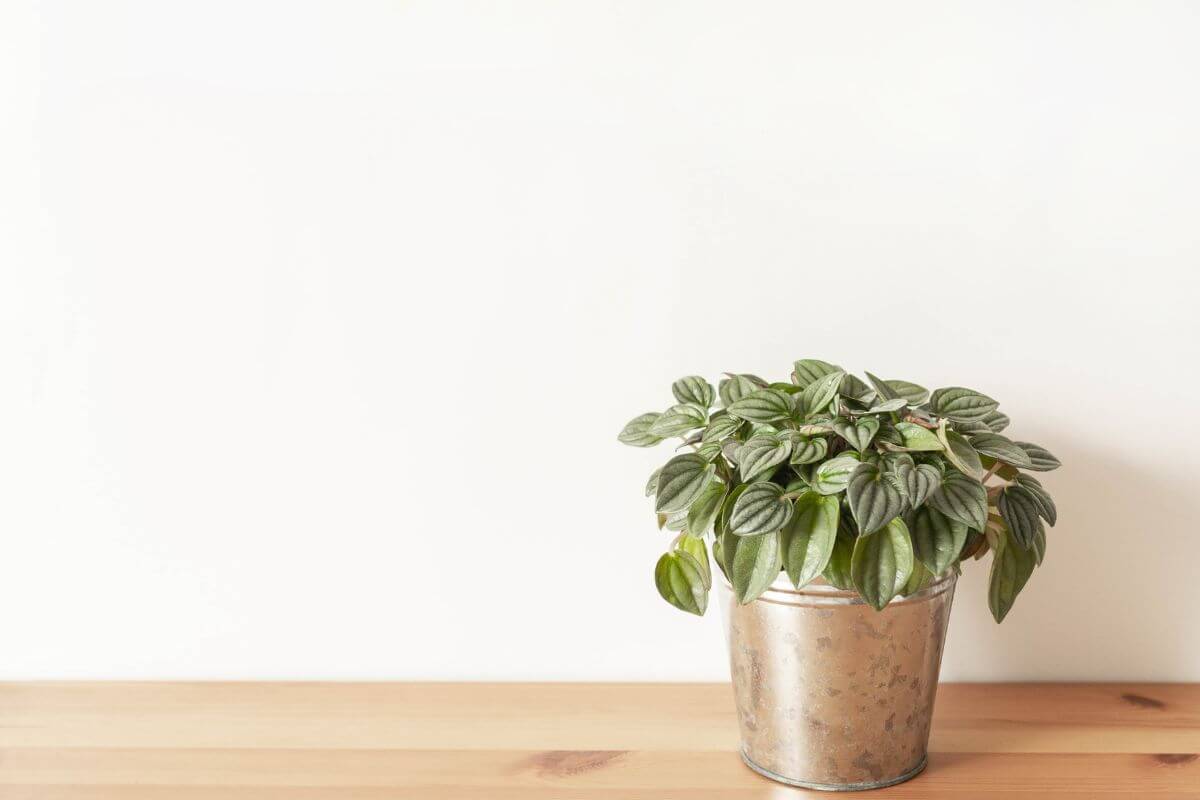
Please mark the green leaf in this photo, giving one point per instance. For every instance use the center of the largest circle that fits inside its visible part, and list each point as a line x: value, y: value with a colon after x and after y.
x: 695, y: 547
x: 755, y: 564
x: 637, y: 431
x: 915, y: 481
x: 917, y: 438
x: 855, y: 389
x: 1039, y: 545
x: 678, y: 420
x: 693, y: 389
x: 937, y: 540
x: 837, y: 571
x: 1040, y: 459
x: 652, y: 484
x: 1021, y: 513
x: 1046, y: 507
x: 996, y: 421
x: 960, y: 405
x: 919, y: 579
x: 820, y: 393
x: 709, y: 451
x: 808, y: 449
x: 882, y: 563
x: 680, y: 582
x: 887, y: 406
x: 874, y: 501
x: 676, y: 521
x: 735, y: 388
x: 959, y: 452
x: 914, y: 394
x: 681, y: 481
x: 721, y: 526
x: 808, y: 370
x: 886, y: 392
x: 999, y: 447
x: 703, y: 511
x: 721, y: 426
x: 763, y: 405
x: 761, y: 509
x: 857, y: 432
x: 760, y: 455
x: 833, y: 476
x: 961, y: 498
x: 1011, y: 568
x: 809, y: 536
x: 973, y: 426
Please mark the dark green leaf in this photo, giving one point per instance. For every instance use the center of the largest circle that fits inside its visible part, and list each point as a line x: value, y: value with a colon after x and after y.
x: 1020, y: 511
x: 721, y: 525
x: 808, y: 370
x: 678, y: 420
x: 681, y: 481
x: 809, y: 536
x: 937, y: 540
x: 754, y: 566
x: 915, y: 481
x: 882, y: 563
x: 1046, y: 507
x: 704, y: 509
x: 693, y: 389
x: 833, y: 475
x: 914, y: 394
x: 820, y: 393
x: 837, y: 571
x: 961, y: 498
x: 807, y: 450
x: 999, y: 447
x: 855, y: 389
x: 763, y: 405
x: 887, y: 406
x: 886, y: 392
x: 857, y: 432
x: 959, y: 404
x: 721, y: 426
x: 1011, y: 568
x: 973, y: 426
x: 760, y: 455
x: 996, y: 421
x: 919, y: 579
x: 680, y: 582
x: 735, y: 388
x: 637, y: 431
x: 1039, y: 545
x: 874, y: 501
x: 760, y: 509
x: 1040, y: 459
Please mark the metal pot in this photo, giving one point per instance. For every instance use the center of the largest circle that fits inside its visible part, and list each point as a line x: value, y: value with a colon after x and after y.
x: 832, y: 694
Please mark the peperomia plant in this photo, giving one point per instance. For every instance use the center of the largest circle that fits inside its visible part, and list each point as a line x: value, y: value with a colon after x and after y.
x: 877, y: 487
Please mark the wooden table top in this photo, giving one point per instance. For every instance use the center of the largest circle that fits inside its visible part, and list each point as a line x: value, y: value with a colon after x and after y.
x: 368, y: 741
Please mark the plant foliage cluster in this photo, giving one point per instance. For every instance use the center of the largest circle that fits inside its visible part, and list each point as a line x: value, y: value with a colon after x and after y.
x: 879, y: 487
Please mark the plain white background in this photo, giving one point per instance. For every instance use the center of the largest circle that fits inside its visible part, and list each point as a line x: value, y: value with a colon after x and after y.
x: 319, y: 320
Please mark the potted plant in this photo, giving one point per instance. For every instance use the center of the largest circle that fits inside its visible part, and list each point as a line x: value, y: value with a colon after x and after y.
x: 838, y: 512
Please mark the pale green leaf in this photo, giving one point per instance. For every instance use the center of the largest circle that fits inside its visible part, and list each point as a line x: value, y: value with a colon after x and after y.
x: 637, y: 431
x: 959, y: 404
x: 996, y: 421
x: 959, y: 452
x: 680, y: 582
x: 808, y: 370
x: 833, y: 475
x: 917, y: 438
x: 807, y: 449
x: 695, y: 547
x: 652, y: 484
x: 915, y: 481
x: 735, y: 387
x: 763, y: 405
x: 703, y: 511
x: 693, y: 389
x: 721, y: 426
x: 678, y: 420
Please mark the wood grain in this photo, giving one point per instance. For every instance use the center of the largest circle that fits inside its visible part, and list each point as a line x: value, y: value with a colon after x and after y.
x: 93, y: 741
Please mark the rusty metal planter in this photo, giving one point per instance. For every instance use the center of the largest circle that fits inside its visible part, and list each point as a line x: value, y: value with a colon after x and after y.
x: 830, y: 693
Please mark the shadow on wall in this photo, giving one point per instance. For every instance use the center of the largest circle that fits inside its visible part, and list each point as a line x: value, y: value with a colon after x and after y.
x: 1114, y: 597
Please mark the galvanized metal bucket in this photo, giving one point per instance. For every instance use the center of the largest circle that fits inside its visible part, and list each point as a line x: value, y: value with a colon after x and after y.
x: 832, y: 694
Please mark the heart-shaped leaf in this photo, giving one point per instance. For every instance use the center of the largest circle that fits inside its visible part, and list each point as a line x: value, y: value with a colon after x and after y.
x: 833, y: 475
x: 808, y: 370
x: 681, y: 481
x: 809, y: 536
x: 1046, y: 507
x: 959, y: 404
x: 679, y: 419
x: 694, y: 546
x: 762, y: 508
x: 915, y: 481
x: 721, y: 426
x: 693, y: 389
x: 937, y: 540
x: 961, y: 498
x: 917, y: 438
x: 760, y: 455
x: 914, y: 394
x: 817, y: 396
x: 637, y: 431
x: 1011, y: 568
x: 754, y: 564
x: 763, y: 405
x: 996, y: 421
x: 874, y: 501
x: 1040, y: 459
x: 1001, y: 448
x: 882, y: 563
x: 680, y: 582
x: 734, y: 388
x: 704, y: 509
x: 808, y: 449
x: 1021, y: 513
x: 859, y: 432
x: 959, y: 451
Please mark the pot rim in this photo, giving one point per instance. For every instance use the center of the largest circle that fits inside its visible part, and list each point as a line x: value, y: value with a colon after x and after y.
x: 821, y: 593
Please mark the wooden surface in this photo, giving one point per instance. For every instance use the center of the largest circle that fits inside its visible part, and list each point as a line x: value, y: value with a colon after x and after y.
x: 270, y: 741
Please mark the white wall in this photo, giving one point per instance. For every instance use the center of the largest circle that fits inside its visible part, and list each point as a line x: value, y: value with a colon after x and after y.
x: 320, y: 319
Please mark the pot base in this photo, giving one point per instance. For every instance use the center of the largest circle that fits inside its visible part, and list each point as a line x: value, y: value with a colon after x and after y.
x: 835, y: 787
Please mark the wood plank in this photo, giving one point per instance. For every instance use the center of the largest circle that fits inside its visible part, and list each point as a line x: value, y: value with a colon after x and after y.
x: 1090, y: 718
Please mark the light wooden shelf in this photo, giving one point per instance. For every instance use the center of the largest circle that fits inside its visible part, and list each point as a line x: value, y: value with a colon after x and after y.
x: 319, y: 741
